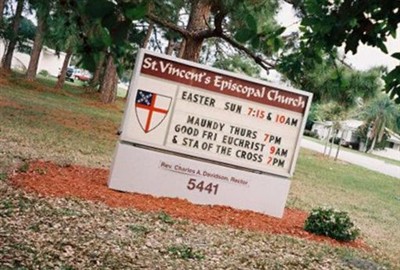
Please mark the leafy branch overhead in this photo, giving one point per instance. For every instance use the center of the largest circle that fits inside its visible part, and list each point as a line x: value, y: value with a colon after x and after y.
x: 250, y: 36
x: 106, y: 34
x: 332, y: 23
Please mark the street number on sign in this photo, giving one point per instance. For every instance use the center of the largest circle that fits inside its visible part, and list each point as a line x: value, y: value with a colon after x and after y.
x: 201, y: 186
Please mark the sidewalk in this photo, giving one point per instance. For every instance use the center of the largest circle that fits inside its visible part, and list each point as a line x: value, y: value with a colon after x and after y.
x: 357, y: 159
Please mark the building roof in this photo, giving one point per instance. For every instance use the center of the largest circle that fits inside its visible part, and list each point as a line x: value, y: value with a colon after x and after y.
x: 393, y: 137
x: 346, y: 124
x: 351, y: 124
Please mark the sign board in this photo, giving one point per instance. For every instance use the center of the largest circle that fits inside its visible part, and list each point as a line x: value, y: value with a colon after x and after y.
x: 218, y: 123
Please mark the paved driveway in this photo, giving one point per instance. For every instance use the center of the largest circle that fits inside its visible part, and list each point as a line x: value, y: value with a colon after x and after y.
x: 357, y: 159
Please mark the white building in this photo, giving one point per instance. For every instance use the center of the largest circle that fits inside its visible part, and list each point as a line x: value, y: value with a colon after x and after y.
x: 48, y: 60
x: 347, y: 130
x: 322, y: 129
x: 393, y: 140
x: 393, y: 149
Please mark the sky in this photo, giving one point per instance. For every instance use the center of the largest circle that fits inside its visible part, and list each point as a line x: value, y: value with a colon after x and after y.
x: 366, y: 57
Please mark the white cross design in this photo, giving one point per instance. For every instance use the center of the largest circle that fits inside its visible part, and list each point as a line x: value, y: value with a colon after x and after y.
x: 144, y: 98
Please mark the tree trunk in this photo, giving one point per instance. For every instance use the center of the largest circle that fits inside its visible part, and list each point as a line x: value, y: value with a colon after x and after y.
x: 61, y: 78
x: 148, y: 35
x: 327, y: 140
x: 108, y: 89
x: 2, y: 5
x: 182, y: 48
x: 37, y: 49
x: 381, y: 130
x: 199, y: 15
x: 372, y: 144
x: 332, y: 142
x: 376, y: 133
x: 3, y: 57
x: 95, y: 81
x: 170, y: 48
x: 338, y: 148
x: 13, y: 40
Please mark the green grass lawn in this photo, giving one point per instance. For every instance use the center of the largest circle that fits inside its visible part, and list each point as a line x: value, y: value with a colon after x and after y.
x: 72, y: 126
x: 372, y: 199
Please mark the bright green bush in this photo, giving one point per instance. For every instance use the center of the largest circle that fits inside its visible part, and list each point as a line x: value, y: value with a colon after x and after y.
x: 332, y: 223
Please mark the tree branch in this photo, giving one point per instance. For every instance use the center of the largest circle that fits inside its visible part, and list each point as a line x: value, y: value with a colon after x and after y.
x: 168, y: 24
x: 216, y: 32
x: 156, y: 40
x: 258, y: 59
x: 202, y: 34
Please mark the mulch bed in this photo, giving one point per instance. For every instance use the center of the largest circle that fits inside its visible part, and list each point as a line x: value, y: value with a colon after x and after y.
x: 49, y: 179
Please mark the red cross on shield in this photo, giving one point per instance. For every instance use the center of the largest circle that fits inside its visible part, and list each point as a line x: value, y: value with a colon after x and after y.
x: 151, y: 109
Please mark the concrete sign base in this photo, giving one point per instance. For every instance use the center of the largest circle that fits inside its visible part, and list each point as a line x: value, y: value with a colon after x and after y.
x: 161, y: 174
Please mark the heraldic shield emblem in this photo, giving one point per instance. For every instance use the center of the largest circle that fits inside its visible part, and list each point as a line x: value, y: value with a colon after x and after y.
x: 151, y: 109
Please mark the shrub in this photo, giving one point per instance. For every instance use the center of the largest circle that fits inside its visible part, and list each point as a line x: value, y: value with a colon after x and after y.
x: 44, y: 73
x: 332, y: 223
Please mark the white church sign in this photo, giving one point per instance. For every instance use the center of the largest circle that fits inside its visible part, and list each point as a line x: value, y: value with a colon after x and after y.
x: 209, y: 136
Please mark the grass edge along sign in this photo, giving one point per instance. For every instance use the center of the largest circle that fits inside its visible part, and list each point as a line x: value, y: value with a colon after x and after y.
x: 209, y: 136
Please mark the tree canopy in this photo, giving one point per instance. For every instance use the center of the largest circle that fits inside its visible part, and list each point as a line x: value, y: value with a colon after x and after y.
x: 223, y: 32
x: 328, y: 24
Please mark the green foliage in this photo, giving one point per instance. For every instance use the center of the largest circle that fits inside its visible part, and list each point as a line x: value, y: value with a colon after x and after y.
x: 253, y: 23
x: 26, y: 31
x: 110, y: 28
x: 185, y: 252
x: 380, y: 113
x: 6, y: 208
x: 3, y: 176
x: 238, y: 64
x: 312, y: 114
x: 331, y: 111
x: 332, y: 223
x: 24, y: 167
x: 351, y: 22
x: 392, y: 80
x: 44, y: 73
x: 382, y: 108
x: 164, y: 217
x: 330, y: 24
x: 135, y: 11
x: 99, y: 9
x: 329, y: 80
x: 62, y: 30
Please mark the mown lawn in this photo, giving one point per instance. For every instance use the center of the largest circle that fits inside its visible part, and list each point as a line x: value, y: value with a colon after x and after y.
x: 71, y: 126
x: 68, y: 126
x: 372, y: 199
